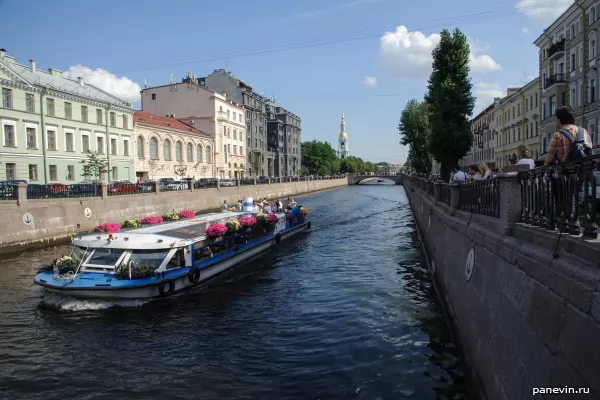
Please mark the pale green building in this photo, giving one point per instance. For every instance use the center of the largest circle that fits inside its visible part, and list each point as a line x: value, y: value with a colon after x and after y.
x: 48, y: 123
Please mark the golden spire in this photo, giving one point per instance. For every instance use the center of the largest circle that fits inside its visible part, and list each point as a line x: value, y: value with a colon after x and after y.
x: 343, y: 134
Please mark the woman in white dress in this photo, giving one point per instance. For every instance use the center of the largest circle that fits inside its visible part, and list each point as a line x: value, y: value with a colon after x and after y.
x: 525, y: 156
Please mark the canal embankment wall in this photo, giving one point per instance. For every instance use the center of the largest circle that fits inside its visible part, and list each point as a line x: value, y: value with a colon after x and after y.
x: 524, y: 315
x: 27, y: 223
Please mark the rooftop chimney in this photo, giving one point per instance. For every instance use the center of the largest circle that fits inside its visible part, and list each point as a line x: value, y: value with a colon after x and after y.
x: 80, y: 80
x: 32, y: 65
x: 2, y: 53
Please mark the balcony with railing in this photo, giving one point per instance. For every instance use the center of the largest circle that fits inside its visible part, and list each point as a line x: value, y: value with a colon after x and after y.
x: 554, y: 79
x: 556, y: 49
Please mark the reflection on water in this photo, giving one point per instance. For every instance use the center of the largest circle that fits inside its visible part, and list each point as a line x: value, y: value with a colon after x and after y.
x: 346, y: 311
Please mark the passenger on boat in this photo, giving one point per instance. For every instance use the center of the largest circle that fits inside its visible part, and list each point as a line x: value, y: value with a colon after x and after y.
x: 297, y: 213
x: 224, y: 206
x: 239, y: 206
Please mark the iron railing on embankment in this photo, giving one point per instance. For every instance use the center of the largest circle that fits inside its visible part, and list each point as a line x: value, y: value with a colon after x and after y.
x: 23, y: 191
x: 562, y: 196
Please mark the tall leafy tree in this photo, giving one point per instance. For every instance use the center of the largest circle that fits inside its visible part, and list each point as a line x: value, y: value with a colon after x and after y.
x: 450, y: 101
x: 414, y: 131
x: 94, y: 165
x: 319, y: 158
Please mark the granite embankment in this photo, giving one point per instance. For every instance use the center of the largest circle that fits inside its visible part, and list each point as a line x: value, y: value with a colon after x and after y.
x: 525, y: 316
x: 26, y: 223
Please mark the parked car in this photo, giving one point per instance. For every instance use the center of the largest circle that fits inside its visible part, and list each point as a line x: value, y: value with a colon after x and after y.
x: 177, y: 185
x: 122, y: 187
x: 227, y: 182
x: 8, y: 188
x: 206, y: 183
x: 145, y: 187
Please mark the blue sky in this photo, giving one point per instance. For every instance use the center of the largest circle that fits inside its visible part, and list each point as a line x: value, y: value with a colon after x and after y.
x: 137, y: 40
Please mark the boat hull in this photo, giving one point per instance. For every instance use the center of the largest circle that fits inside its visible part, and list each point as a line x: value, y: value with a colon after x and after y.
x: 180, y: 281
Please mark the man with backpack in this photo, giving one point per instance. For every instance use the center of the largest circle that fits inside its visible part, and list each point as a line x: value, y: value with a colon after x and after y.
x: 569, y: 143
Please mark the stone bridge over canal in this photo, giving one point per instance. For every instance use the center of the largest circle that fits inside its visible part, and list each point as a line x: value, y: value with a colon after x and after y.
x: 356, y: 179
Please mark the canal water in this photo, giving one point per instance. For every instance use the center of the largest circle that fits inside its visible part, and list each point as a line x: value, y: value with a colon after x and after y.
x: 344, y: 312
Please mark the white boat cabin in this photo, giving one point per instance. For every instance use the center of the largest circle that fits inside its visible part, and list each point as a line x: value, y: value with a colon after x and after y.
x: 163, y: 246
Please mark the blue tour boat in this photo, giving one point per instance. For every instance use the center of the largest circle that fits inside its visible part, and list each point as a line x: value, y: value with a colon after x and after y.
x: 160, y: 260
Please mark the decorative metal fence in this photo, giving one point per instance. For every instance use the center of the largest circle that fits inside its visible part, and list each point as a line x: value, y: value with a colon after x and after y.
x: 480, y: 197
x: 563, y: 196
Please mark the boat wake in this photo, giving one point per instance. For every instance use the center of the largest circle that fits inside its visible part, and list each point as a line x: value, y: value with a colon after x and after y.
x: 53, y: 300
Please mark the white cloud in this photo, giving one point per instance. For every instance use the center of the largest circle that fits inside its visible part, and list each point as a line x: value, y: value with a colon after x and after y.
x: 408, y: 54
x: 370, y: 81
x: 525, y: 30
x: 484, y: 95
x: 542, y: 10
x: 123, y: 88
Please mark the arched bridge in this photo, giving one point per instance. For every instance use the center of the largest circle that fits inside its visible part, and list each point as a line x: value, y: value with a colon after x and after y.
x: 356, y: 179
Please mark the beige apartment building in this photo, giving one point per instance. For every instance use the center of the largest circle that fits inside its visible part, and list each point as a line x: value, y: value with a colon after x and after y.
x: 168, y: 148
x: 517, y: 123
x: 214, y: 113
x: 568, y: 64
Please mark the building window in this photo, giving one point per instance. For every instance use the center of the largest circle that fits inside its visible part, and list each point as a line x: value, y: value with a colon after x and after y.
x: 30, y: 102
x: 7, y: 100
x: 140, y: 147
x: 225, y: 152
x: 11, y: 171
x: 84, y: 113
x: 153, y: 149
x: 115, y: 173
x: 10, y: 138
x: 69, y: 141
x: 573, y: 61
x: 592, y: 50
x: 99, y: 116
x: 208, y: 155
x: 85, y: 143
x: 113, y: 146
x: 592, y: 90
x: 199, y: 156
x: 53, y: 172
x: 100, y: 144
x: 126, y: 147
x: 125, y: 122
x: 113, y: 119
x: 153, y: 96
x: 70, y: 172
x: 234, y: 134
x: 50, y: 107
x: 190, y: 152
x: 68, y: 111
x: 592, y: 15
x: 51, y: 136
x: 573, y: 99
x: 234, y: 149
x: 167, y: 150
x: 179, y: 151
x: 552, y: 105
x: 33, y: 172
x: 31, y: 138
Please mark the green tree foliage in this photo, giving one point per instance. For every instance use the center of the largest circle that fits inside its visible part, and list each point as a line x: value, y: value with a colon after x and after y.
x: 450, y: 101
x: 94, y: 165
x: 415, y: 132
x: 255, y: 164
x: 356, y: 165
x: 319, y: 158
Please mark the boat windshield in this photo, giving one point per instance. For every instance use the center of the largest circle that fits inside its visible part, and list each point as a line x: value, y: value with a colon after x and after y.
x: 105, y: 257
x: 151, y: 258
x: 78, y: 253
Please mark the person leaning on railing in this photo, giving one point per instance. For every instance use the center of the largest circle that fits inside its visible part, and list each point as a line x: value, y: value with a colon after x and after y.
x: 568, y: 143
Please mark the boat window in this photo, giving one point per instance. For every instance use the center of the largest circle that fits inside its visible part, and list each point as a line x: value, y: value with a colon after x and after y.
x: 78, y: 253
x: 151, y: 258
x: 178, y: 260
x: 107, y: 257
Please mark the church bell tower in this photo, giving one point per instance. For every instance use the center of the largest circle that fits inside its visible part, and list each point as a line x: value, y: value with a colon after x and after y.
x: 343, y: 148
